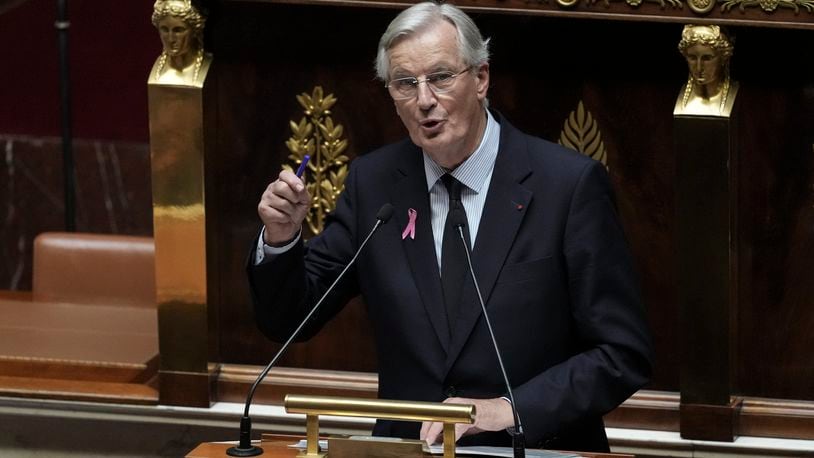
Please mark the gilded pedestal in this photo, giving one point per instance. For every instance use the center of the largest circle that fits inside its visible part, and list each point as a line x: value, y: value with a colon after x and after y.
x: 179, y: 123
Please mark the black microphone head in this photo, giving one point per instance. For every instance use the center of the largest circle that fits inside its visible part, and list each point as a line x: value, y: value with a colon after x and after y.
x: 385, y: 213
x: 458, y: 217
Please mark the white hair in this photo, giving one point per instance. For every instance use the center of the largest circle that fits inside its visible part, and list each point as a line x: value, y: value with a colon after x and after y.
x: 473, y: 48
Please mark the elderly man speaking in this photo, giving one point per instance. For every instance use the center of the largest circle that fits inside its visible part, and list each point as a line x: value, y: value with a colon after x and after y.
x: 548, y: 252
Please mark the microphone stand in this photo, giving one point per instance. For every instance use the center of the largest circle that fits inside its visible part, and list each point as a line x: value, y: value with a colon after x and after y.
x: 516, y: 432
x: 69, y: 176
x: 245, y: 447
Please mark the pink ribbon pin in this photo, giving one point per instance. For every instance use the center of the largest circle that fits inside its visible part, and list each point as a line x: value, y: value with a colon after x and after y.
x: 410, y: 229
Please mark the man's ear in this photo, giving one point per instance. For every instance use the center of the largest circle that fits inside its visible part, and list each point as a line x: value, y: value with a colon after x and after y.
x: 482, y: 80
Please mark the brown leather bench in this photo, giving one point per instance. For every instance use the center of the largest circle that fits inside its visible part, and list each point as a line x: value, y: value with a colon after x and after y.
x: 88, y: 330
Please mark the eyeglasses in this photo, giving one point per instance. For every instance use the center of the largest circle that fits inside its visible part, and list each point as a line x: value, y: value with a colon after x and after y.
x: 438, y: 82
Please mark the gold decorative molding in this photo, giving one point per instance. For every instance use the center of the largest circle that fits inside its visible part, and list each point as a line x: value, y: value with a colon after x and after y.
x: 617, y: 10
x: 317, y: 136
x: 581, y: 133
x: 567, y: 3
x: 702, y: 7
x: 635, y: 3
x: 769, y: 6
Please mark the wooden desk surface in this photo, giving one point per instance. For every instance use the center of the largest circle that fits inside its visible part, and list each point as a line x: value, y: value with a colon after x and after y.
x: 280, y: 449
x: 275, y: 449
x: 54, y: 349
x: 77, y: 332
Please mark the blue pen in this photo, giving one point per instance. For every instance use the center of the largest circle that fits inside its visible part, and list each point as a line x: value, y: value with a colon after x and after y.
x: 301, y: 170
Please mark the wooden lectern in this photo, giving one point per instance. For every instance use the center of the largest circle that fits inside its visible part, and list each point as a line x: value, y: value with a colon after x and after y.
x: 279, y: 447
x: 313, y: 406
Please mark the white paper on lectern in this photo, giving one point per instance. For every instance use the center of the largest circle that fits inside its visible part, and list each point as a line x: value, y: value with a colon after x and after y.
x: 471, y: 451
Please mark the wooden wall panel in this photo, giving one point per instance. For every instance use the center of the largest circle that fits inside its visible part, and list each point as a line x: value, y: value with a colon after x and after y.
x: 265, y: 57
x: 776, y: 310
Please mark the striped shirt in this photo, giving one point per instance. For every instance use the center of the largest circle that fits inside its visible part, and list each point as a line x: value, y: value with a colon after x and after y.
x: 475, y: 173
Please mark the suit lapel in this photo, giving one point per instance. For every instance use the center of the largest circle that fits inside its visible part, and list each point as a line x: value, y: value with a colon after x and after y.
x: 410, y: 191
x: 506, y: 204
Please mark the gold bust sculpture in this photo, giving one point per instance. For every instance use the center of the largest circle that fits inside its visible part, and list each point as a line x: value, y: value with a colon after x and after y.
x: 183, y: 61
x: 708, y: 91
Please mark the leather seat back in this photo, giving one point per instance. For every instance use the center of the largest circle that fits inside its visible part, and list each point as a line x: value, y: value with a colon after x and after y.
x: 94, y: 268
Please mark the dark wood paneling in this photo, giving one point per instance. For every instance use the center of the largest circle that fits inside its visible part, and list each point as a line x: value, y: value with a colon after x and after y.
x: 777, y: 418
x: 710, y: 422
x: 654, y: 410
x: 705, y: 256
x: 190, y: 389
x: 776, y: 212
x: 265, y: 58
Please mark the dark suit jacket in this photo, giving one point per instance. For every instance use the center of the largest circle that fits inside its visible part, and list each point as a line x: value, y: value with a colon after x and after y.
x: 553, y: 267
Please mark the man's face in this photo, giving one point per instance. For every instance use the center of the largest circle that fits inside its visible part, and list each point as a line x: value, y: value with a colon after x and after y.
x: 447, y: 126
x: 704, y: 63
x: 176, y: 36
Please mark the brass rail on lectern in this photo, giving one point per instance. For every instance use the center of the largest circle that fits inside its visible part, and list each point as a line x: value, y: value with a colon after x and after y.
x: 313, y: 406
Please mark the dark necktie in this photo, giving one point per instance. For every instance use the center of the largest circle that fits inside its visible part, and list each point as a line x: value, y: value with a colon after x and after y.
x: 453, y: 257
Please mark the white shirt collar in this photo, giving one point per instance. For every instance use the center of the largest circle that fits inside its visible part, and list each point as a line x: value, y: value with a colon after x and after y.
x: 476, y: 168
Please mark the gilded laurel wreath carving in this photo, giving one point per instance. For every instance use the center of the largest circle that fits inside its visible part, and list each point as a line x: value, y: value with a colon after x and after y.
x: 317, y: 136
x: 581, y: 133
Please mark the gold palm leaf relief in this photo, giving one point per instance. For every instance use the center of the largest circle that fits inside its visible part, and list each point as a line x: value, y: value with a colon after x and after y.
x: 581, y: 133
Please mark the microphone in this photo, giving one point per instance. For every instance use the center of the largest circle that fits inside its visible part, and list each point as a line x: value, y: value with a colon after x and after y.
x: 245, y: 447
x: 516, y: 432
